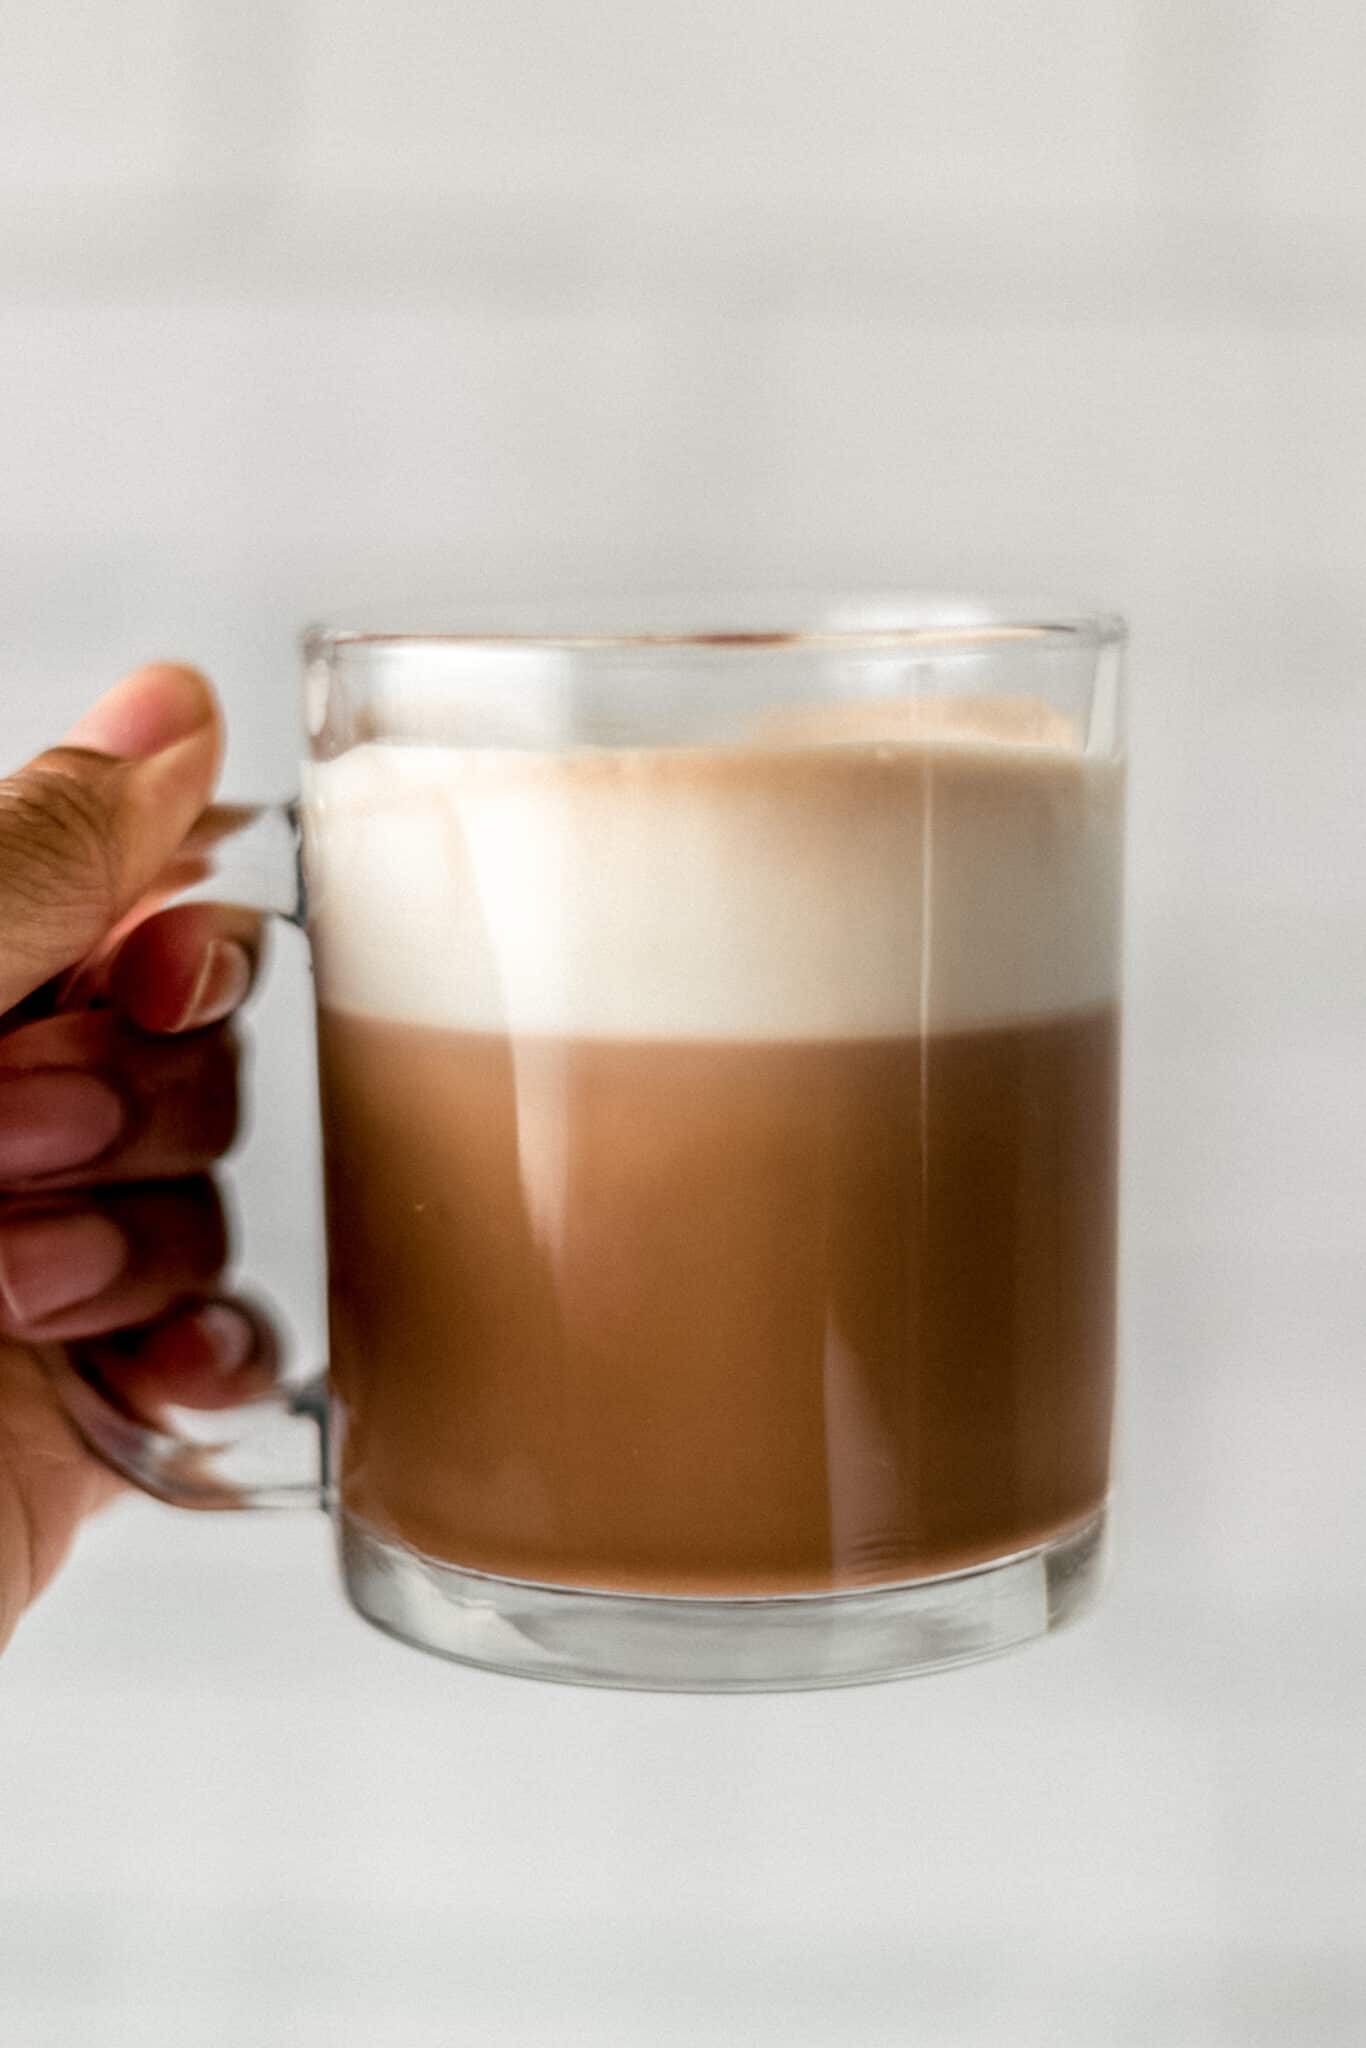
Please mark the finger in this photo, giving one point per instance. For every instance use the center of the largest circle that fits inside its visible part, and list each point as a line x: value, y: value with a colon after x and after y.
x: 86, y: 827
x: 205, y: 1353
x: 186, y: 968
x: 145, y: 712
x: 79, y: 1266
x: 89, y: 1100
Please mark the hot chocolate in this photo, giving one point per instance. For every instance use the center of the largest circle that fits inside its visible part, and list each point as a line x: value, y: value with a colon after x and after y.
x: 721, y: 1149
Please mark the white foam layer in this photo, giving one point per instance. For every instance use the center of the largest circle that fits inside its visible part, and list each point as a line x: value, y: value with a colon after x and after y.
x: 849, y: 886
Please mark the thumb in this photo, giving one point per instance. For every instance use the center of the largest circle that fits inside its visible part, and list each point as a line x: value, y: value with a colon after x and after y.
x: 87, y: 826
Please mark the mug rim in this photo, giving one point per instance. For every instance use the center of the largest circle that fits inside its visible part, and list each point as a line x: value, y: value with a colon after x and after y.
x: 727, y: 622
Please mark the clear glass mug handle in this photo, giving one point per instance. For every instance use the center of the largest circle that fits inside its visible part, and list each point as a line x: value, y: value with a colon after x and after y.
x: 269, y: 1453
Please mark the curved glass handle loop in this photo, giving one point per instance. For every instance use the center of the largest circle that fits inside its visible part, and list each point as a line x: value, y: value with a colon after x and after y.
x: 269, y: 1453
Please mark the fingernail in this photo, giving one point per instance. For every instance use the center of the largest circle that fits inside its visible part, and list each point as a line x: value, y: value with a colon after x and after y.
x: 51, y: 1263
x: 229, y: 1336
x: 53, y: 1120
x: 223, y: 979
x: 147, y: 711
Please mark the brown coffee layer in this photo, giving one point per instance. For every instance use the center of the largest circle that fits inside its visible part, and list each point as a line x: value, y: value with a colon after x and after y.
x: 721, y: 1318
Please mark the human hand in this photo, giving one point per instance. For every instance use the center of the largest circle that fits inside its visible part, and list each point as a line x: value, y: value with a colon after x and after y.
x: 117, y: 1092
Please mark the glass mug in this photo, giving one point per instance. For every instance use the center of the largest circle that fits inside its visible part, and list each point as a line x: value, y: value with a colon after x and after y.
x: 718, y: 1050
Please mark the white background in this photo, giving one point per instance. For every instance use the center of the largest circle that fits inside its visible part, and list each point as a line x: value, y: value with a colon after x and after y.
x: 301, y: 301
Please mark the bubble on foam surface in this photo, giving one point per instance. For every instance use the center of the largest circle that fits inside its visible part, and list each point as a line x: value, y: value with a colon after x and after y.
x: 847, y: 876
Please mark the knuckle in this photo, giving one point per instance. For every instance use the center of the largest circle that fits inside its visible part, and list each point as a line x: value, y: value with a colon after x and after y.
x: 181, y: 1224
x: 221, y: 1099
x: 195, y: 1104
x: 58, y: 855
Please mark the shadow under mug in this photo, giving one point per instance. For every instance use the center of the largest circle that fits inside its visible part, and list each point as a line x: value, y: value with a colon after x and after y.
x: 718, y: 1048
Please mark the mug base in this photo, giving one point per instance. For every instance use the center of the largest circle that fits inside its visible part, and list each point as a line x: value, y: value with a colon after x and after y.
x: 663, y: 1643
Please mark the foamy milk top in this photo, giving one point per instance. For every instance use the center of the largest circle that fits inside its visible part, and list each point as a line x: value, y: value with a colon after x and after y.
x: 851, y: 875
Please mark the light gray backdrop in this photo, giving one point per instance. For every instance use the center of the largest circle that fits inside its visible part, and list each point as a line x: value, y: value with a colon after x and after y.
x: 299, y: 301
